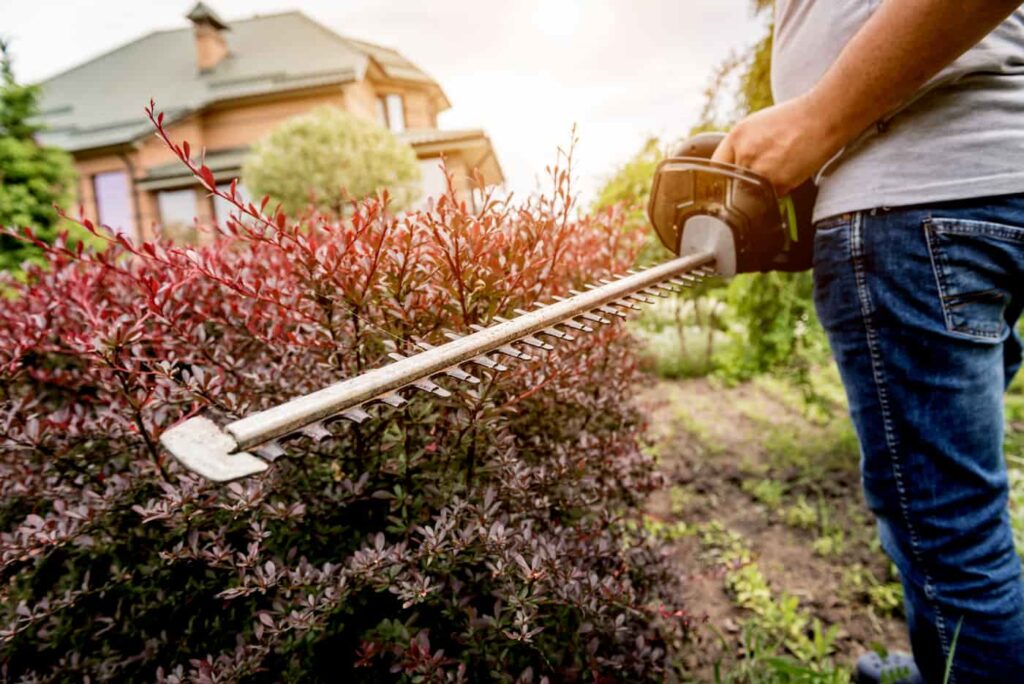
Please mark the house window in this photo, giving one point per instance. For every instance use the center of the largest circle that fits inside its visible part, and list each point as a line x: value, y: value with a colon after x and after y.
x: 391, y: 109
x: 114, y: 201
x: 177, y: 214
x: 433, y: 182
x: 222, y: 209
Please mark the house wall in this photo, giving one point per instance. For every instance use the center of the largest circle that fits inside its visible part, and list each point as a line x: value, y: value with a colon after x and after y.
x: 360, y: 98
x: 245, y: 124
x: 420, y: 111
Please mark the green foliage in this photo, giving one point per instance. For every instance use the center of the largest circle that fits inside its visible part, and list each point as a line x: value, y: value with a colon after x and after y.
x: 775, y: 326
x: 630, y: 188
x: 328, y: 158
x: 681, y: 334
x: 34, y: 178
x: 774, y: 321
x: 781, y: 641
x: 770, y: 318
x: 767, y: 491
x: 755, y: 82
x: 632, y: 183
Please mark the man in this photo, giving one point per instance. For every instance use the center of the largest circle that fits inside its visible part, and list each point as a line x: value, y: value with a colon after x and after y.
x: 911, y: 114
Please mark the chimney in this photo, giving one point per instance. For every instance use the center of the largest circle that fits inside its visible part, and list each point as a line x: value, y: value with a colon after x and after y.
x: 208, y: 29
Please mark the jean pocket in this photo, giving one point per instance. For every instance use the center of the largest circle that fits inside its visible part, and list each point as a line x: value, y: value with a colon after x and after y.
x: 975, y: 264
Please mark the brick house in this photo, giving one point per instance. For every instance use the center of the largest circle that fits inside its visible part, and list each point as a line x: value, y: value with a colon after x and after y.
x: 224, y: 85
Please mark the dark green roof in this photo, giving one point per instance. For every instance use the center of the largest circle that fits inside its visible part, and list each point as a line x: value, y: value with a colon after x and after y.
x: 100, y: 103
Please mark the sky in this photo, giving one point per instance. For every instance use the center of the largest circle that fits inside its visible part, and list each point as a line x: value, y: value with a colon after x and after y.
x: 526, y: 71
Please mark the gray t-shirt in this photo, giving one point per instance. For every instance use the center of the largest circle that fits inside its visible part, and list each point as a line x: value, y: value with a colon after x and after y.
x: 961, y: 136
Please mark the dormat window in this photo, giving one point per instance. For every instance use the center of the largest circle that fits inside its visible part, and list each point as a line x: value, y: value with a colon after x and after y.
x: 393, y: 108
x: 114, y: 201
x: 222, y: 209
x: 177, y: 214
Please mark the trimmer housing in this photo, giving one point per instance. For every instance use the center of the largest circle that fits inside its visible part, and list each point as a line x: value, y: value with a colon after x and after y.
x: 698, y: 205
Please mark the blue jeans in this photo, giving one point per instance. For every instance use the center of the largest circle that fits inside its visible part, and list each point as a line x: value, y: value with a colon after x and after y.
x: 919, y: 305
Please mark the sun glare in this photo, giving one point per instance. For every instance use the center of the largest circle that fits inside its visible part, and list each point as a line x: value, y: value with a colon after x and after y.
x: 558, y: 18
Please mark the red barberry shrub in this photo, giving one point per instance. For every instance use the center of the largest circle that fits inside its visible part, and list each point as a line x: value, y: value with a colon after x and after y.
x: 492, y: 536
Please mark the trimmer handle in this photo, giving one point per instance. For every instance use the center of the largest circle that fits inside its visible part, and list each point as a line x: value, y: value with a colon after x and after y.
x: 699, y: 205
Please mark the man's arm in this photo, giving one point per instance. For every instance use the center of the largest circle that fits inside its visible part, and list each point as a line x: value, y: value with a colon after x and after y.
x: 902, y: 46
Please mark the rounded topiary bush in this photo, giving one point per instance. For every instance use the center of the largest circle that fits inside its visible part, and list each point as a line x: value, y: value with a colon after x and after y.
x: 493, y: 536
x: 326, y: 159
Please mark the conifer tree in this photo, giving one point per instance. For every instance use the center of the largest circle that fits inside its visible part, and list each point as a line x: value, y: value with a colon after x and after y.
x: 33, y: 178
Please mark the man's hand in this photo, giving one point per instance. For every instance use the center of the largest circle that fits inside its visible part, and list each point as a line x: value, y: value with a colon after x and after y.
x: 786, y: 144
x: 902, y: 46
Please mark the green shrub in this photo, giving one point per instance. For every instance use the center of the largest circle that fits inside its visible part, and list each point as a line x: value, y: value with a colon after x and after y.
x: 329, y: 158
x: 492, y: 536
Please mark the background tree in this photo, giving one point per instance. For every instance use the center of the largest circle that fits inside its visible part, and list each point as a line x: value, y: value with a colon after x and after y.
x: 630, y: 187
x: 328, y: 158
x: 771, y: 316
x: 777, y: 323
x: 33, y: 178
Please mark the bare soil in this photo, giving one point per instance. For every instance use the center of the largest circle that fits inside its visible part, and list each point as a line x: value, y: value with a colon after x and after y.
x: 710, y: 440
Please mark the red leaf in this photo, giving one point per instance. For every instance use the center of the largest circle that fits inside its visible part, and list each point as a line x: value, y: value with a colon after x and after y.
x: 207, y: 177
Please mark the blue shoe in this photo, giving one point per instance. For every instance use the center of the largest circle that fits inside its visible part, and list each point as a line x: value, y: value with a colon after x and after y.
x: 896, y: 668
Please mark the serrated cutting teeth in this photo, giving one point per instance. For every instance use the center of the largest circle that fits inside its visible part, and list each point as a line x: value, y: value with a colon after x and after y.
x: 461, y: 376
x: 316, y: 432
x: 271, y: 451
x: 509, y: 350
x: 538, y: 344
x: 489, y: 364
x: 569, y: 323
x: 557, y: 334
x: 640, y: 298
x: 393, y: 400
x: 654, y: 292
x: 356, y: 415
x: 431, y: 387
x: 594, y: 318
x: 626, y: 305
x: 611, y: 312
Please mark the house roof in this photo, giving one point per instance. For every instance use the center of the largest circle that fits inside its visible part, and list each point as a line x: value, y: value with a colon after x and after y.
x: 100, y: 102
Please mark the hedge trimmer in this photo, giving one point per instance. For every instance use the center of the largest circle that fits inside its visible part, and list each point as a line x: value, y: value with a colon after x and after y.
x: 718, y: 218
